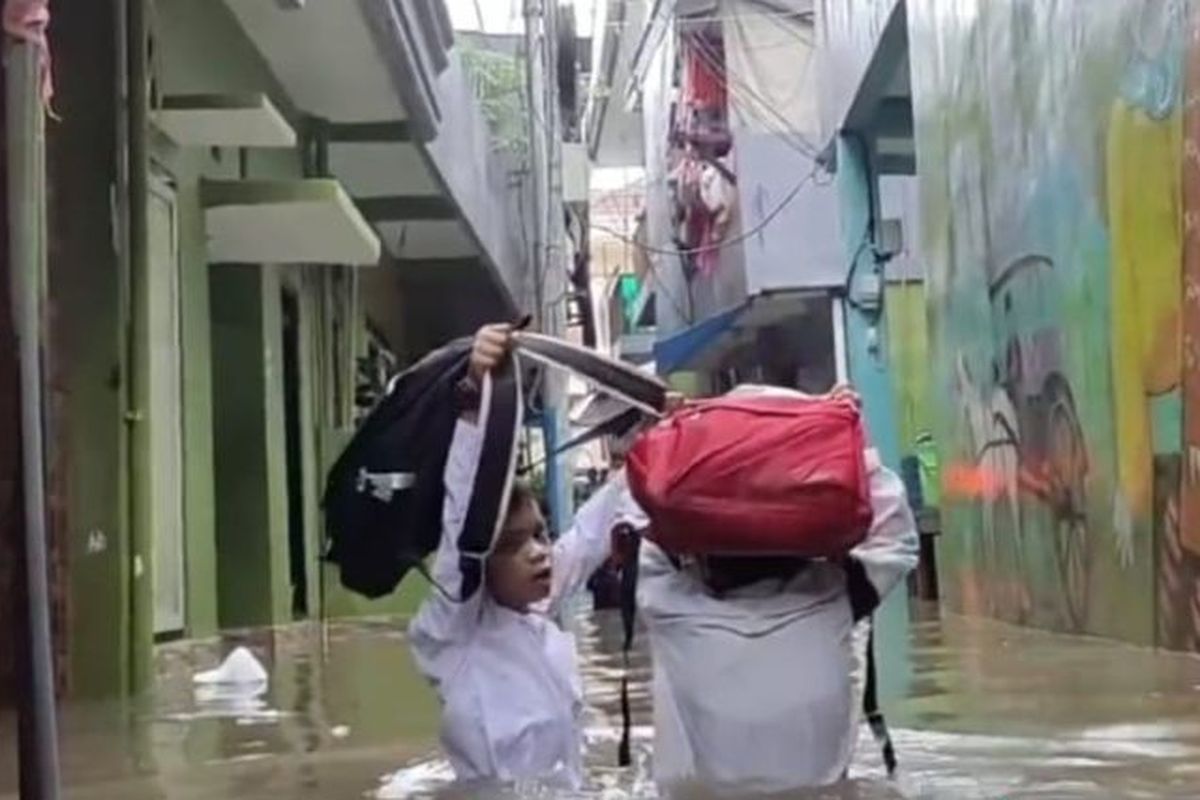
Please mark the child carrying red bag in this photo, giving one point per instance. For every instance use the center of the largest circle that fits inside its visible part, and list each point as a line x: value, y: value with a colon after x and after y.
x: 774, y: 534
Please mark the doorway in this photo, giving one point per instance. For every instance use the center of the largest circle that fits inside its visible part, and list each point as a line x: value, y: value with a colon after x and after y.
x: 165, y: 418
x: 293, y: 429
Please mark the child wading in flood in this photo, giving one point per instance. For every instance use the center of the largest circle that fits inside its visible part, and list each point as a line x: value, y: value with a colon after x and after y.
x: 505, y: 672
x: 755, y: 659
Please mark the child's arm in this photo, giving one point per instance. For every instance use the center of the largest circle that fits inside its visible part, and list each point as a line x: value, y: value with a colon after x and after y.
x: 587, y: 544
x: 443, y: 622
x: 890, y: 550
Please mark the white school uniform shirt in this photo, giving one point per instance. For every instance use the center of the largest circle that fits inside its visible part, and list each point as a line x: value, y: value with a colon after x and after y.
x: 756, y: 692
x: 511, y: 694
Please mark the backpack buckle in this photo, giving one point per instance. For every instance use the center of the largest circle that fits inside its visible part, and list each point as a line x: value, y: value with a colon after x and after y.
x: 384, y: 485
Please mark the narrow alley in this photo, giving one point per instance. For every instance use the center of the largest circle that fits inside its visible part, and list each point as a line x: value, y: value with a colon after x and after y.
x: 270, y: 269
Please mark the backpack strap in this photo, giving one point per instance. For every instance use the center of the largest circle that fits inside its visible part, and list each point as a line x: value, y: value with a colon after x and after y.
x: 501, y: 414
x: 618, y: 425
x: 501, y: 409
x: 864, y: 599
x: 616, y: 377
x: 628, y: 597
x: 871, y: 710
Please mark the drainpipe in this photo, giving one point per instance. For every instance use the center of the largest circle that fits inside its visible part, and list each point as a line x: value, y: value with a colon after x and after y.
x: 537, y: 155
x: 141, y: 597
x: 26, y: 151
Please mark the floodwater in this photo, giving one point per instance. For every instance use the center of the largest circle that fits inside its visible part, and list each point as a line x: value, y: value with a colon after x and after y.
x: 985, y: 711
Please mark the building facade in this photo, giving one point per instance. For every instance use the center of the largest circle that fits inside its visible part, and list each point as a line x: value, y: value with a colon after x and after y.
x: 241, y: 249
x: 1050, y: 144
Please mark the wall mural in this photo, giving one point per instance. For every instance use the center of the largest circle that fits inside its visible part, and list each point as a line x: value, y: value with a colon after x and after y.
x: 1051, y: 146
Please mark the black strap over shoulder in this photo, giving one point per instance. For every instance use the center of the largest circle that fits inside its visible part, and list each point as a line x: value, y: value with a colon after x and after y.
x: 616, y: 377
x: 501, y: 410
x: 629, y: 578
x: 864, y: 599
x: 872, y: 713
x: 500, y: 413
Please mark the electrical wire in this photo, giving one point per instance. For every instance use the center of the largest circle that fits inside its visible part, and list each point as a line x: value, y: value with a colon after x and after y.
x: 782, y: 127
x: 805, y: 17
x: 699, y: 18
x: 775, y: 212
x: 746, y: 98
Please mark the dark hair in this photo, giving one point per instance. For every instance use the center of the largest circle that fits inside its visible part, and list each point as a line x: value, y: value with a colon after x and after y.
x: 522, y: 495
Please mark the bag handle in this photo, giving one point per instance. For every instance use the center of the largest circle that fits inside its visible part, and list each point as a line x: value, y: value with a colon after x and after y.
x: 502, y: 411
x: 502, y: 416
x: 640, y: 390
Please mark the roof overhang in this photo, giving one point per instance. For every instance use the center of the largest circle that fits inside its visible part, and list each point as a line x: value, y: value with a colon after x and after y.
x: 223, y: 120
x: 878, y: 105
x: 286, y: 222
x: 402, y: 126
x: 703, y: 345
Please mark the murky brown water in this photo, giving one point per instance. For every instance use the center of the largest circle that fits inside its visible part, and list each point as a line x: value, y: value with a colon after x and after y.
x: 988, y: 711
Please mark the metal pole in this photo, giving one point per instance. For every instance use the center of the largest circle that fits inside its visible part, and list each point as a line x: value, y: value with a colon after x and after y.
x: 27, y: 253
x: 537, y: 159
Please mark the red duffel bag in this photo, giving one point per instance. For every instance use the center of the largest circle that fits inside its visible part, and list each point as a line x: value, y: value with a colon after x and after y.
x: 757, y: 475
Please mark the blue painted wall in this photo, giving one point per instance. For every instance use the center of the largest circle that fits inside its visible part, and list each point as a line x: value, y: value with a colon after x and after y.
x: 870, y: 375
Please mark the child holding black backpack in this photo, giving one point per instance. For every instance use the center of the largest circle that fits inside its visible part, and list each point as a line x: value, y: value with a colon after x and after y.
x: 504, y: 670
x: 772, y: 643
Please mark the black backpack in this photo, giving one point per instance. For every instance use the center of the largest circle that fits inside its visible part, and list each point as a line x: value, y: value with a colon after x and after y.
x: 384, y: 495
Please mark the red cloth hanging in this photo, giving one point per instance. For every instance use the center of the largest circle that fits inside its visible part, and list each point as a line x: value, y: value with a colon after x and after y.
x: 704, y: 84
x: 28, y: 20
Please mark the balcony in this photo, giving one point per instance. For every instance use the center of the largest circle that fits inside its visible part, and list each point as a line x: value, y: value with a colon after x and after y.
x: 392, y: 110
x: 750, y: 204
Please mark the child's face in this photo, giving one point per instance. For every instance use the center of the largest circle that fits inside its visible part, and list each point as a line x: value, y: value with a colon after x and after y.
x: 519, y: 570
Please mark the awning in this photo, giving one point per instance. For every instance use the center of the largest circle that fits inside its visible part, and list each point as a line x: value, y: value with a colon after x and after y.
x: 679, y: 351
x: 223, y: 120
x: 286, y: 222
x: 698, y: 347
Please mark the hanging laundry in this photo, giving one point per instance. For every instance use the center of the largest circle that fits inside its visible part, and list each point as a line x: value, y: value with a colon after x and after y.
x: 28, y: 20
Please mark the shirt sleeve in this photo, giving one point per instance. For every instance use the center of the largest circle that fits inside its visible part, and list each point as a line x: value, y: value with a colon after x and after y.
x: 443, y: 622
x: 890, y: 550
x: 588, y: 543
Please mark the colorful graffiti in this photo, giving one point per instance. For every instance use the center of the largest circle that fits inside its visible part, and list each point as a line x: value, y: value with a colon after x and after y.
x: 1058, y: 189
x: 1189, y: 511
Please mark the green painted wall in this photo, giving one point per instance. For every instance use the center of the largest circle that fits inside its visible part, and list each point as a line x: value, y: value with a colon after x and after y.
x: 306, y: 286
x: 199, y: 495
x: 85, y: 290
x: 1050, y: 151
x: 243, y: 531
x: 908, y: 357
x: 276, y: 445
x: 341, y: 603
x: 187, y: 32
x: 236, y: 514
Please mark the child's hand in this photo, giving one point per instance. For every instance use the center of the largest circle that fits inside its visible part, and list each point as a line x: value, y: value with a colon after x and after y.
x: 674, y: 402
x: 845, y: 393
x: 492, y: 345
